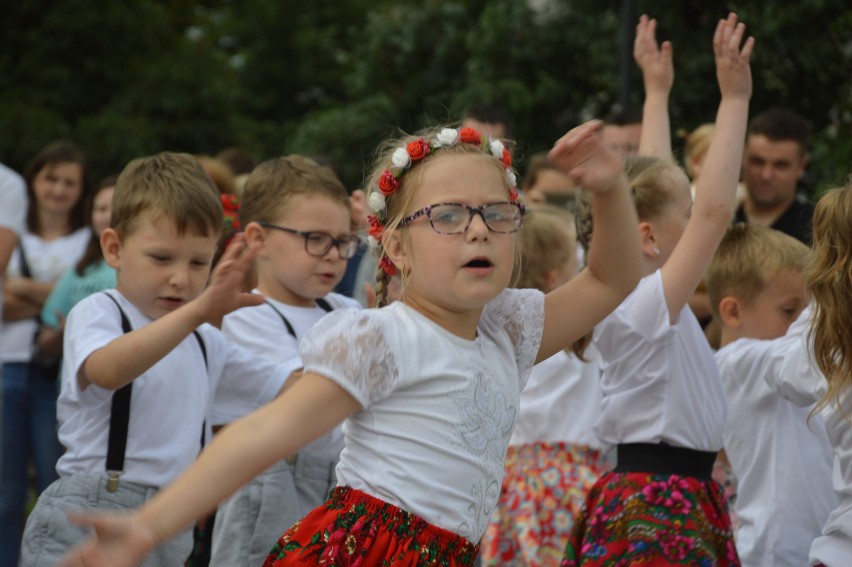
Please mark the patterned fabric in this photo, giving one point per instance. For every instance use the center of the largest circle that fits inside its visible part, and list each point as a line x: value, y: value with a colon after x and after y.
x: 354, y: 529
x: 724, y: 475
x: 641, y: 518
x: 202, y: 538
x: 543, y: 490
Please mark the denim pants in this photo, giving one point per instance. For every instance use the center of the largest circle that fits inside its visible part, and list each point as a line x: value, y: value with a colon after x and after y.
x: 28, y: 436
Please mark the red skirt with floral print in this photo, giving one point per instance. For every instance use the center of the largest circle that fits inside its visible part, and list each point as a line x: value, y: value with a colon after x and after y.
x: 652, y: 519
x: 355, y: 529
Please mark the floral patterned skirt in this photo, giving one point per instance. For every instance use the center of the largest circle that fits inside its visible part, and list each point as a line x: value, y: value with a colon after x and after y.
x: 355, y: 529
x: 544, y: 488
x: 652, y: 519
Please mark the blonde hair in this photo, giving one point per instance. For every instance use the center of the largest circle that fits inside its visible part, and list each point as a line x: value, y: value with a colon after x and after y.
x: 170, y: 184
x: 546, y: 242
x: 747, y: 258
x: 829, y: 278
x: 696, y: 144
x: 273, y: 185
x: 400, y: 202
x: 652, y: 184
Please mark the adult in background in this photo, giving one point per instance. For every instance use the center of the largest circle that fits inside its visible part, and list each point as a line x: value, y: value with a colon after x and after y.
x: 775, y: 158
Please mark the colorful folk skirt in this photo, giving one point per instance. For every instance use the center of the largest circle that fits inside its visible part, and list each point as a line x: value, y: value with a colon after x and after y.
x: 543, y: 490
x: 653, y: 519
x: 355, y: 529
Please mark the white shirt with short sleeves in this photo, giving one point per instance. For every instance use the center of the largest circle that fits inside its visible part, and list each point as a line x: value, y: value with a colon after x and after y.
x: 47, y: 260
x: 562, y: 401
x: 660, y: 382
x: 13, y: 196
x: 261, y: 331
x: 438, y: 410
x: 170, y: 402
x: 782, y: 460
x: 796, y: 376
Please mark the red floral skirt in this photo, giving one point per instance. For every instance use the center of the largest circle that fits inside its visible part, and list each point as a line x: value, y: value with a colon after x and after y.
x: 355, y: 529
x: 652, y: 519
x: 543, y: 490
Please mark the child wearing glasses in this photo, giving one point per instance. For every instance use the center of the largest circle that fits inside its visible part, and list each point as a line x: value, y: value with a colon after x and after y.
x: 428, y: 386
x: 295, y: 214
x: 142, y: 372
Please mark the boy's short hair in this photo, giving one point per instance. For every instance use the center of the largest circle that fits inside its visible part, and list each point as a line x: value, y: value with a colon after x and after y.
x: 169, y: 184
x: 747, y: 258
x: 274, y: 183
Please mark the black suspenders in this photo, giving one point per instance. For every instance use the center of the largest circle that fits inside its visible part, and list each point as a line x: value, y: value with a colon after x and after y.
x: 119, y: 417
x: 321, y: 303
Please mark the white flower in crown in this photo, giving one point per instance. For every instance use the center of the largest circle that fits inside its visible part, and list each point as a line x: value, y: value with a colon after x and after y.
x: 496, y: 148
x: 511, y: 178
x: 447, y: 137
x: 376, y: 201
x: 373, y: 242
x: 400, y: 158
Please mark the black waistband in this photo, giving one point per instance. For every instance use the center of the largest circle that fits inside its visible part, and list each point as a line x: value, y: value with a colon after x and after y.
x: 659, y: 458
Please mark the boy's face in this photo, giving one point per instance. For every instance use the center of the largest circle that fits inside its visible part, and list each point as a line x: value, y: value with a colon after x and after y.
x: 775, y: 308
x: 286, y: 271
x: 158, y: 269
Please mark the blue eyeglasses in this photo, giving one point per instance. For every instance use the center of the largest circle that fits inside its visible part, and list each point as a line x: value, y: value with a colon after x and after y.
x: 455, y: 218
x: 319, y: 243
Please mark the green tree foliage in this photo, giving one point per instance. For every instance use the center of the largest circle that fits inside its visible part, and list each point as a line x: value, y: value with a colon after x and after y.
x: 334, y: 78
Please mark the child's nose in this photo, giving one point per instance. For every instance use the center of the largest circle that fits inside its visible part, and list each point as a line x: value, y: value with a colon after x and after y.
x: 180, y: 277
x: 477, y: 227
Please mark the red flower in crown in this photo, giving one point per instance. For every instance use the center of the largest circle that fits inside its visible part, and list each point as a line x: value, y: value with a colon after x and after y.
x: 418, y: 149
x: 388, y: 266
x: 513, y: 194
x: 507, y: 158
x: 376, y: 227
x: 469, y: 136
x: 388, y: 183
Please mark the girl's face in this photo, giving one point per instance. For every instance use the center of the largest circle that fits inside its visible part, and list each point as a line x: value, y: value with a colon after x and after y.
x: 101, y: 210
x: 456, y: 272
x: 58, y: 187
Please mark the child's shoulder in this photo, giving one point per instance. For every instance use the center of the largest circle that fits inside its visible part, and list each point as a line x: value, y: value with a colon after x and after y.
x: 338, y: 301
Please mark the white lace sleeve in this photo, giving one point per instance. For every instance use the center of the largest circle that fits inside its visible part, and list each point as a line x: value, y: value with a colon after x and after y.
x: 521, y: 313
x: 349, y: 347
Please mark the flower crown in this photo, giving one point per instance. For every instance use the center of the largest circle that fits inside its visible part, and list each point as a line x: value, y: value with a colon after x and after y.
x: 404, y: 158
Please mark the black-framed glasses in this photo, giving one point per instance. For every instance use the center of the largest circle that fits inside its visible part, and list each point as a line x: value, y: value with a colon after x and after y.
x: 455, y: 218
x: 319, y: 243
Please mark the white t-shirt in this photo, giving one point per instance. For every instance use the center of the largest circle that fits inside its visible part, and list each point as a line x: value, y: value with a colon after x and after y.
x: 782, y: 461
x: 13, y: 196
x: 562, y: 401
x: 47, y: 261
x: 261, y: 331
x: 660, y: 382
x: 797, y: 378
x: 170, y: 402
x: 438, y: 409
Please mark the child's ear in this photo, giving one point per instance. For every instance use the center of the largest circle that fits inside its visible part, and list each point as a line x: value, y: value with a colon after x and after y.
x: 730, y: 312
x: 256, y: 238
x: 648, y: 238
x: 111, y: 247
x: 394, y: 248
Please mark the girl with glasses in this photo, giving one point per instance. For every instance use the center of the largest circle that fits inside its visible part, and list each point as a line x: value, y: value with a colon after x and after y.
x: 428, y: 386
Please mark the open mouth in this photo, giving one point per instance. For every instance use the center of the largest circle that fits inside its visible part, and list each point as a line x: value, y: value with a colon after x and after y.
x: 479, y: 263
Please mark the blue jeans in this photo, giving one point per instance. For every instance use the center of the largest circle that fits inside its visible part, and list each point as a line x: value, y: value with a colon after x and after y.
x: 28, y: 435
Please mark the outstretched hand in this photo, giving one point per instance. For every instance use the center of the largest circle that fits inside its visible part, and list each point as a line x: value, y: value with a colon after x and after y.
x: 225, y: 291
x: 119, y: 541
x: 732, y: 62
x: 654, y: 60
x: 582, y: 156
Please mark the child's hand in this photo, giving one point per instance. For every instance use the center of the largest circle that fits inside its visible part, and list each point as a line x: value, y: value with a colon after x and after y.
x: 582, y: 156
x: 118, y: 541
x: 654, y: 60
x: 732, y: 63
x: 225, y: 291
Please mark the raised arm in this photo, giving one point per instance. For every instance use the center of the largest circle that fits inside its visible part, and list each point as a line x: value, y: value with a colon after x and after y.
x: 130, y: 355
x: 310, y: 408
x: 717, y: 185
x: 615, y: 259
x: 655, y: 61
